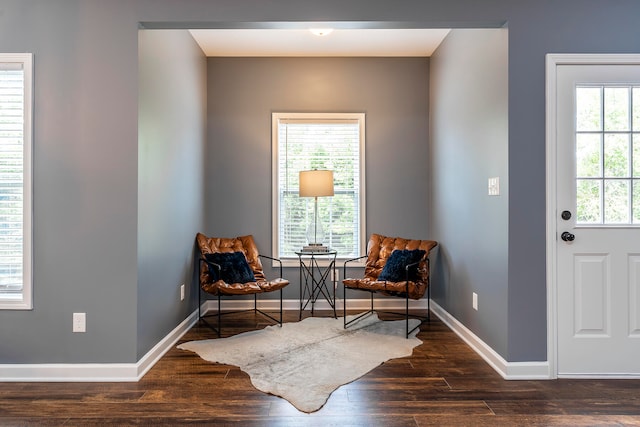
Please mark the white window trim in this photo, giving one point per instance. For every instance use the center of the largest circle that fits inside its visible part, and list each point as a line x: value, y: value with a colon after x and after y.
x: 26, y: 302
x: 275, y: 119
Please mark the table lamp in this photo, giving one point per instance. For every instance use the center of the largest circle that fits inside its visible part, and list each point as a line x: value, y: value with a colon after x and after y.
x: 315, y: 183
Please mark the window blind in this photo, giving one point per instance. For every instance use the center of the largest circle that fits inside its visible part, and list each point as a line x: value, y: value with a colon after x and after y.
x: 12, y: 126
x: 306, y: 144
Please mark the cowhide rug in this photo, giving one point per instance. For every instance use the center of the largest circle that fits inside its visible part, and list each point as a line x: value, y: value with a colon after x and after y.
x: 304, y: 362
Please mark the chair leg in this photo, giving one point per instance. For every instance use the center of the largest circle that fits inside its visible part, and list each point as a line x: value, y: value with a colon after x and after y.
x: 344, y: 305
x: 202, y: 316
x: 429, y: 302
x: 407, y: 313
x: 273, y: 317
x: 281, y: 307
x: 219, y: 317
x: 360, y: 316
x: 219, y: 314
x: 199, y: 304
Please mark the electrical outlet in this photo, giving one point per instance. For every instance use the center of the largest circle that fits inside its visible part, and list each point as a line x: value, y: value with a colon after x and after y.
x: 79, y: 322
x: 182, y: 292
x: 475, y: 301
x: 335, y: 275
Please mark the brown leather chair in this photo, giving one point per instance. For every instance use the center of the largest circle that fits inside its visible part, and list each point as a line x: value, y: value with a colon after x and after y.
x: 231, y: 267
x: 395, y: 267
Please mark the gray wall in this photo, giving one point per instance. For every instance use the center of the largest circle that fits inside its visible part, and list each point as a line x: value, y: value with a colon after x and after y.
x: 85, y: 182
x: 469, y: 129
x: 86, y: 148
x: 171, y: 146
x: 243, y: 92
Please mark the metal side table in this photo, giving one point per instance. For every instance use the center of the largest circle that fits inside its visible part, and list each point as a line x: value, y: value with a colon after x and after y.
x: 314, y: 278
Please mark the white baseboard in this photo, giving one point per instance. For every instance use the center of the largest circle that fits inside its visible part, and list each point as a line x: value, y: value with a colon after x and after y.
x: 600, y: 376
x: 131, y: 372
x: 508, y: 370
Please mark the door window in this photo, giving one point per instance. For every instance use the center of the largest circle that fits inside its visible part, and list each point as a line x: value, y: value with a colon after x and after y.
x: 607, y: 144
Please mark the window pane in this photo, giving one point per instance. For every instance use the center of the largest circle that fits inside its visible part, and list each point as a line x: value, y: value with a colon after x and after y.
x: 607, y: 146
x: 588, y: 155
x: 636, y: 201
x: 616, y: 155
x: 343, y: 209
x: 636, y: 109
x: 293, y: 218
x: 616, y: 108
x: 636, y: 155
x: 588, y: 201
x: 616, y: 196
x: 11, y: 180
x: 16, y: 86
x: 588, y: 109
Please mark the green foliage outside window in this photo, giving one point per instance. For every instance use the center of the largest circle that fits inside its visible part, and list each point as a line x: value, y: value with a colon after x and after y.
x: 608, y: 155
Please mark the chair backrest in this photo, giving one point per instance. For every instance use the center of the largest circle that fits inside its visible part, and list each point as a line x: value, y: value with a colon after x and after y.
x: 380, y: 248
x: 244, y: 244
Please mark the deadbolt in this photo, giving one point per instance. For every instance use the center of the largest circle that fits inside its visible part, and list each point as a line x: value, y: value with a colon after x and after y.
x: 566, y: 215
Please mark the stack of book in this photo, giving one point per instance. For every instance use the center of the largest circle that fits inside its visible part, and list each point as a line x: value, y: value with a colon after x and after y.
x: 315, y: 248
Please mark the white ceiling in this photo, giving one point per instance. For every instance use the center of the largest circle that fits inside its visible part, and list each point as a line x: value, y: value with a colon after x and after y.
x: 300, y: 42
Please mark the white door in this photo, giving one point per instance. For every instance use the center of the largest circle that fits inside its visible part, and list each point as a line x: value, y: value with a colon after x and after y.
x: 598, y: 220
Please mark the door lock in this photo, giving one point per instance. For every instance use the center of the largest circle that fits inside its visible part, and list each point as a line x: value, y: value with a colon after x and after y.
x: 566, y: 215
x: 567, y: 237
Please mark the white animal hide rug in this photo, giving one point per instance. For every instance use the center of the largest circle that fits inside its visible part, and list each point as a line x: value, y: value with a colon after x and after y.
x: 304, y: 362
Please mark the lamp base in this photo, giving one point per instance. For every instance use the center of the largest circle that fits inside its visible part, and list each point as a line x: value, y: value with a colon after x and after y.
x: 315, y: 233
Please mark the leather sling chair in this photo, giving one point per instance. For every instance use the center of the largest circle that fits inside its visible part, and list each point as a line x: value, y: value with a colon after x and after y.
x: 232, y: 267
x: 395, y: 267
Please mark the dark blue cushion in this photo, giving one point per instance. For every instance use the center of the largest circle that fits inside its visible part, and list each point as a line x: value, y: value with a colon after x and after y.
x: 395, y: 268
x: 234, y: 267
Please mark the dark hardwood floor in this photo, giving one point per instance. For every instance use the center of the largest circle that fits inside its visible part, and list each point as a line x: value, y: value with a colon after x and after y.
x: 444, y: 383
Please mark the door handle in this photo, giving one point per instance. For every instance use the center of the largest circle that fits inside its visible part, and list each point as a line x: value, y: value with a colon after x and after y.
x: 567, y: 237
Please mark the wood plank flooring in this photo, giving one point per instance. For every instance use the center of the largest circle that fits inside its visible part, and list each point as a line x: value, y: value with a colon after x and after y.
x: 444, y: 383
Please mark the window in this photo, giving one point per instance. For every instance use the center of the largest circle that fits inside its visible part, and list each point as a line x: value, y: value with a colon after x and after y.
x: 16, y: 78
x: 305, y: 141
x: 608, y: 155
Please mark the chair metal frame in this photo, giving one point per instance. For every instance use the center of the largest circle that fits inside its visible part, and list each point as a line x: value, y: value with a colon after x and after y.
x: 406, y: 314
x: 255, y: 309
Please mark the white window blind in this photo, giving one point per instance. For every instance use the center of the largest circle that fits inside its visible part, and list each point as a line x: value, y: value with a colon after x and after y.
x: 306, y: 141
x: 15, y: 180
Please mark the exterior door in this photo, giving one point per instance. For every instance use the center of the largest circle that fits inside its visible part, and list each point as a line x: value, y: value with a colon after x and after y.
x: 598, y: 220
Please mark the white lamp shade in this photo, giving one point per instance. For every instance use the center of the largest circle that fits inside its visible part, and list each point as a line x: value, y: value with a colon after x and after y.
x: 316, y: 183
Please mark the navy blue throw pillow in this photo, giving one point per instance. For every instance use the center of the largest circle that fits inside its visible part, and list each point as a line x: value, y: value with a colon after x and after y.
x: 234, y: 267
x: 395, y: 268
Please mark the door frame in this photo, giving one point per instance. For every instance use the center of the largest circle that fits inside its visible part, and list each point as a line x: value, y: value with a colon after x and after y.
x: 552, y: 62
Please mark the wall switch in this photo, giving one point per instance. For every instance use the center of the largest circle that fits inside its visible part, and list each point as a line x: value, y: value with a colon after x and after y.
x: 79, y: 322
x: 494, y: 186
x: 475, y: 301
x: 182, y: 292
